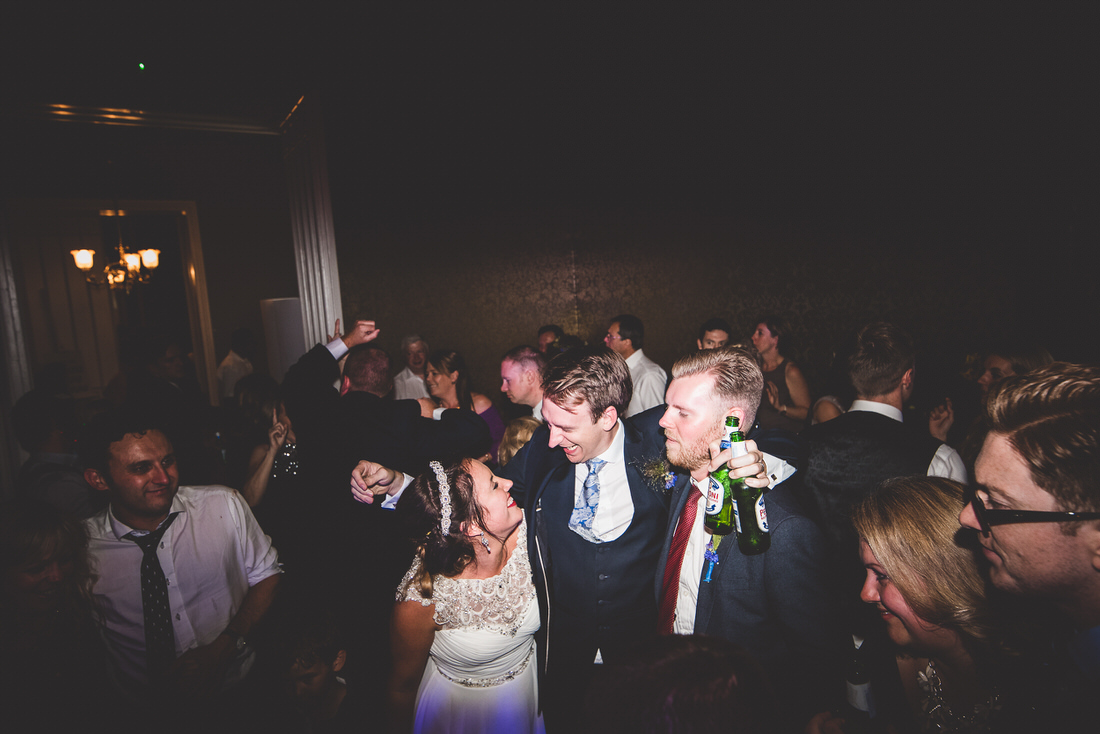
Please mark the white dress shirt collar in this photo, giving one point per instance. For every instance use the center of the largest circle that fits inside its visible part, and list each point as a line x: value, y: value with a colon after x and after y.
x: 871, y: 406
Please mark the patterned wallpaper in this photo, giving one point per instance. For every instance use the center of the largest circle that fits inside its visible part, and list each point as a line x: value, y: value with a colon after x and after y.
x: 484, y: 286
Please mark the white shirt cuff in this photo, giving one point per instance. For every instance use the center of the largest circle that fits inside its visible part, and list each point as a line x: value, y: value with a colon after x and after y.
x: 779, y: 471
x: 337, y: 348
x: 390, y: 503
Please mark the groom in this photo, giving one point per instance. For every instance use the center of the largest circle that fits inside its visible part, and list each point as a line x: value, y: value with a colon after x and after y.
x: 593, y: 571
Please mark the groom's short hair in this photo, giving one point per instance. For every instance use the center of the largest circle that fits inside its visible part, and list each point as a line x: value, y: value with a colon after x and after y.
x: 594, y: 375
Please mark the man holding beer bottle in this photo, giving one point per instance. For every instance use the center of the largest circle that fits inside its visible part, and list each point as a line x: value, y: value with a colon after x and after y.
x: 772, y: 602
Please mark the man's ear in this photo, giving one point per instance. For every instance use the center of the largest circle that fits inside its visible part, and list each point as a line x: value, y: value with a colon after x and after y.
x: 907, y: 380
x: 740, y: 414
x: 338, y: 663
x: 608, y: 418
x: 699, y: 343
x: 95, y: 479
x: 1091, y: 533
x: 345, y: 385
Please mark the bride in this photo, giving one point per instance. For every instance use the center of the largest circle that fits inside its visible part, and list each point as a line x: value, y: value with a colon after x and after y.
x: 464, y: 622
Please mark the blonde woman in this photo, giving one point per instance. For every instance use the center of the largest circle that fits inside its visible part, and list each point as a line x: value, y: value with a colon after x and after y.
x: 931, y: 595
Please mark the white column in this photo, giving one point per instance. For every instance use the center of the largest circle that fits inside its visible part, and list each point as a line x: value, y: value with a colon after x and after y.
x: 311, y: 220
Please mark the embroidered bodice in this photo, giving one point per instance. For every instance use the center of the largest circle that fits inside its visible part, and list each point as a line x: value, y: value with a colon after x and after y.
x: 498, y: 603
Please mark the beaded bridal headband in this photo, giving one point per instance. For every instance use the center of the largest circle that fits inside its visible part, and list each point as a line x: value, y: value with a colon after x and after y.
x: 444, y: 497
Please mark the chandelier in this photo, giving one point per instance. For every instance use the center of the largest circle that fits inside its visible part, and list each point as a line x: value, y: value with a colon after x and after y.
x: 130, y: 268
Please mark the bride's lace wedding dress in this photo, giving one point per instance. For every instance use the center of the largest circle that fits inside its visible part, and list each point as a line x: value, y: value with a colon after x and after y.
x: 481, y: 671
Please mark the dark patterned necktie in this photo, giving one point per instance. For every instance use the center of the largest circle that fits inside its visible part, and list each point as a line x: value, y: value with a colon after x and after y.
x: 670, y: 585
x: 160, y: 644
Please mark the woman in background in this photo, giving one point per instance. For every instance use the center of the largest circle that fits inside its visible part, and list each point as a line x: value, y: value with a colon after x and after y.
x: 944, y: 672
x: 516, y: 435
x: 786, y: 401
x: 449, y: 386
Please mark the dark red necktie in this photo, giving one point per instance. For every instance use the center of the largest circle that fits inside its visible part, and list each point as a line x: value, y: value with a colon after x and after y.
x: 670, y: 586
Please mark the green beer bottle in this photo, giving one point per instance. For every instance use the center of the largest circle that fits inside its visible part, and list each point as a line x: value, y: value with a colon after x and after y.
x: 718, y: 518
x: 749, y: 514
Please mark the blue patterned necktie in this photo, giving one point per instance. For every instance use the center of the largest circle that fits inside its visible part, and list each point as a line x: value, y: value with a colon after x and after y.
x: 584, y: 509
x: 160, y: 645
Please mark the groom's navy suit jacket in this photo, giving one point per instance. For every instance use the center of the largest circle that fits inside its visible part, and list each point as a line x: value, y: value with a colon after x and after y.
x: 591, y: 596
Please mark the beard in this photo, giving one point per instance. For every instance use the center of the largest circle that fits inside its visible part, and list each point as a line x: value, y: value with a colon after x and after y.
x: 696, y: 455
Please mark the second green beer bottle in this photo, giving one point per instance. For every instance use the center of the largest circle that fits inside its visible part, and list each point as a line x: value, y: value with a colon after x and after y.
x: 749, y: 514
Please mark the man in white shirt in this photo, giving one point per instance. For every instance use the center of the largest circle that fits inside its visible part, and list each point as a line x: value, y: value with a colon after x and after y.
x: 521, y: 377
x: 408, y: 384
x: 626, y: 336
x: 175, y: 617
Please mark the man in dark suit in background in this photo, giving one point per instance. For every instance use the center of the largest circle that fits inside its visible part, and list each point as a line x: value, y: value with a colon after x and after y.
x: 775, y: 604
x: 855, y: 452
x: 335, y: 428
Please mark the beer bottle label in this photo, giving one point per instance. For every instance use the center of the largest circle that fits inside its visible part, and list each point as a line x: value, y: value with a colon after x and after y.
x: 761, y: 514
x: 715, y: 492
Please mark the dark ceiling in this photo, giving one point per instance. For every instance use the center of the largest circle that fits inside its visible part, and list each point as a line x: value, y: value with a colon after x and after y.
x: 815, y: 111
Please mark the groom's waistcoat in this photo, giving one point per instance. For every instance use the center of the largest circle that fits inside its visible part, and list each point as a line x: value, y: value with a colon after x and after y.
x: 602, y: 593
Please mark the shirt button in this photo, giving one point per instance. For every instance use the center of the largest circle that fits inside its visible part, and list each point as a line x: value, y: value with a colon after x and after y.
x: 177, y: 617
x: 603, y: 577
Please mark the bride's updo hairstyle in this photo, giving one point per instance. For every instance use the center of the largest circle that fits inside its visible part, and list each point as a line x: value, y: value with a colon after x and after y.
x: 442, y: 550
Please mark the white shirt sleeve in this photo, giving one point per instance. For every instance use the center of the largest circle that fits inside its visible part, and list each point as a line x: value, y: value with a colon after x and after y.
x: 778, y: 470
x: 948, y: 464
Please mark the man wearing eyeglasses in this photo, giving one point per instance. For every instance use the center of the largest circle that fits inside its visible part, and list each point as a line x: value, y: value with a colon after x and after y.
x: 1038, y: 500
x: 1037, y: 504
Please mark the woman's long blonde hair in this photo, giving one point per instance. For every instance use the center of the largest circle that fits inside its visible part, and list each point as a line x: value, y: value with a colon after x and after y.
x: 912, y: 526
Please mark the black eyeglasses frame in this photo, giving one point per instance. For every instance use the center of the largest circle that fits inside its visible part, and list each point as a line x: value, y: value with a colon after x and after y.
x: 987, y: 518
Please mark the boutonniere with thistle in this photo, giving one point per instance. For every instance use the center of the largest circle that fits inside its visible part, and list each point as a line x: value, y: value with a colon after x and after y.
x: 658, y: 473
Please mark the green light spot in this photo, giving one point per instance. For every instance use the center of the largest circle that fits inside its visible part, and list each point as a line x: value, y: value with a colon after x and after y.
x: 141, y: 66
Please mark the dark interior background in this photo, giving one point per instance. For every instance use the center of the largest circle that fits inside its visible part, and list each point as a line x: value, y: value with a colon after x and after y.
x: 495, y: 169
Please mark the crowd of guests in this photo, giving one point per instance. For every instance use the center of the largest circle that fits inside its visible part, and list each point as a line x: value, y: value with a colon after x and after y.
x: 212, y: 569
